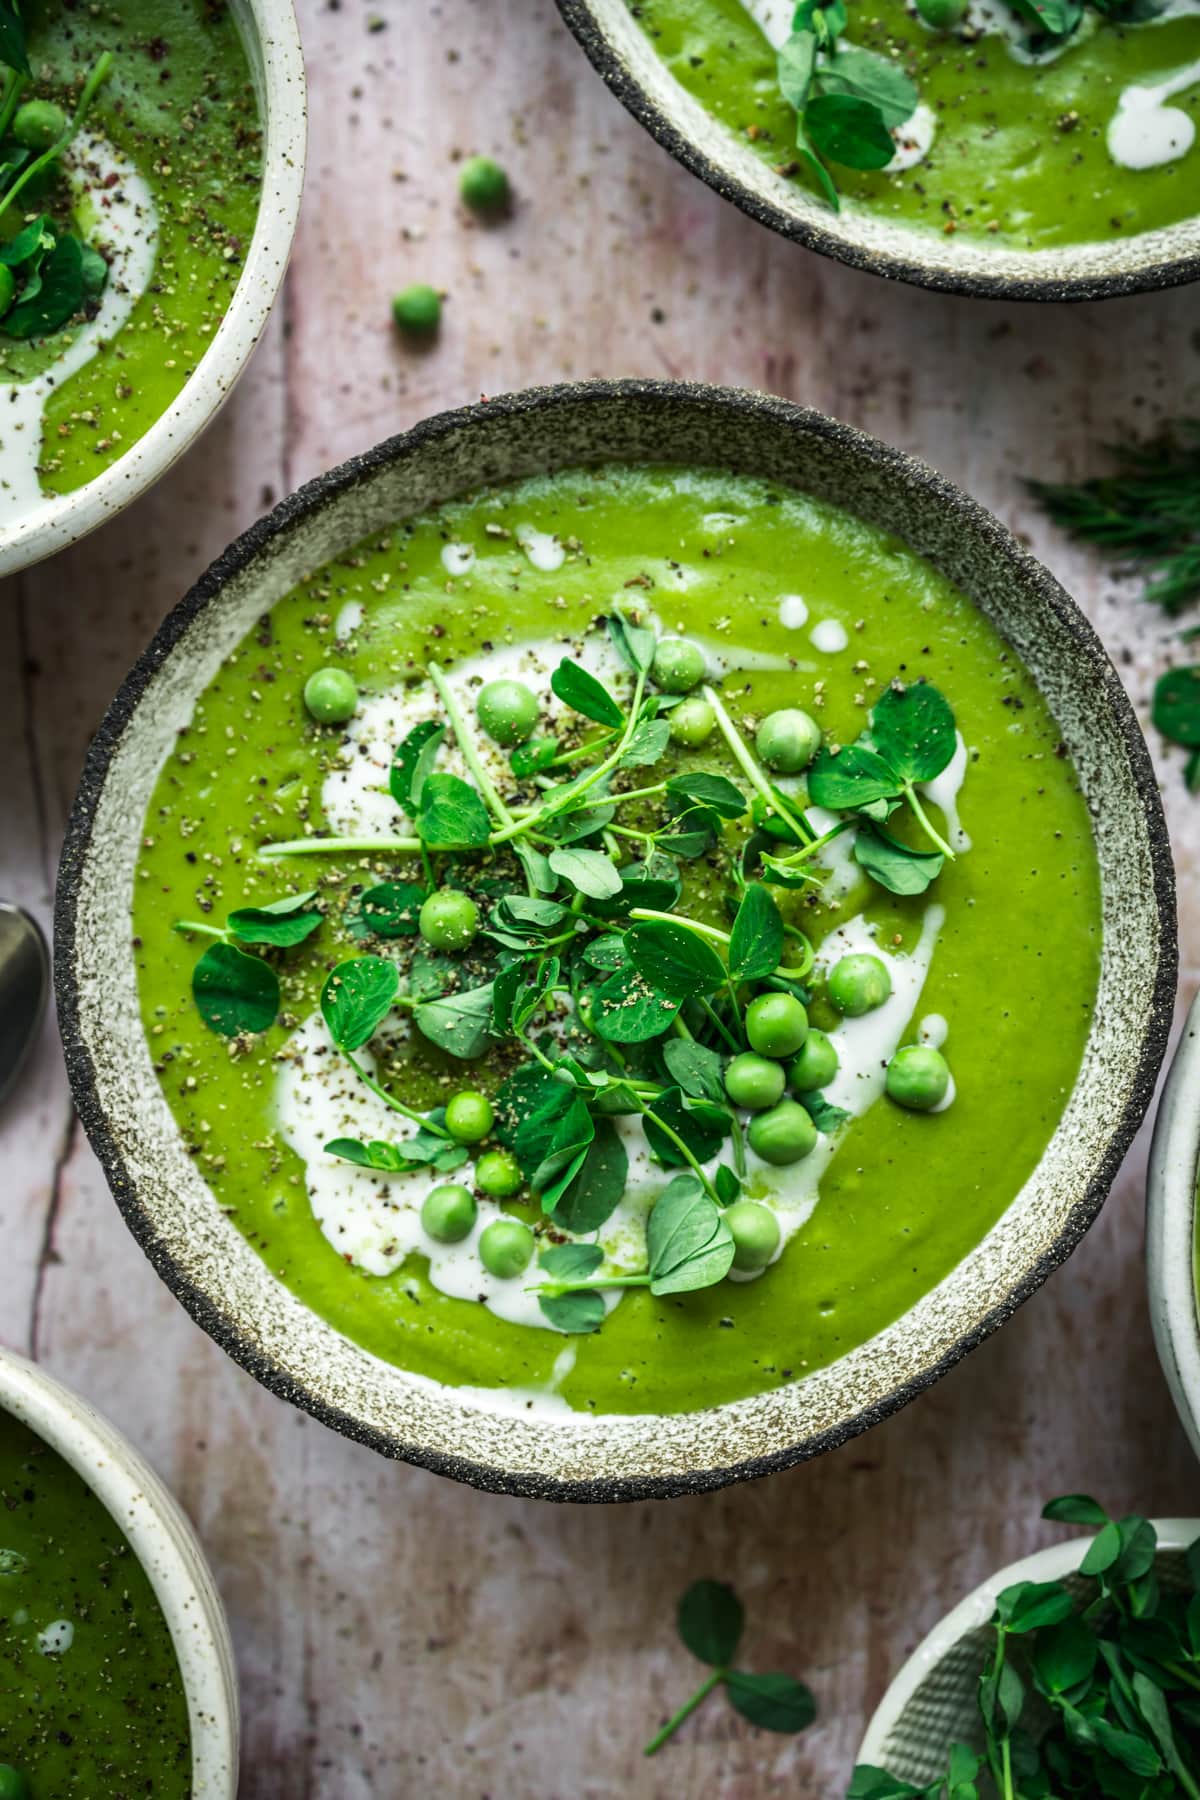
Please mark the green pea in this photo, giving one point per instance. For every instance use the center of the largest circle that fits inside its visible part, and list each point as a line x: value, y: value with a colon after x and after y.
x: 448, y: 919
x: 449, y: 1213
x: 692, y: 723
x: 755, y: 1232
x: 678, y: 665
x: 38, y: 124
x: 505, y: 1248
x: 8, y: 288
x: 13, y: 1785
x: 918, y: 1077
x: 783, y: 1135
x: 754, y: 1082
x: 498, y: 1173
x: 788, y: 740
x: 418, y: 308
x: 858, y: 984
x: 331, y: 696
x: 816, y: 1065
x: 469, y: 1117
x: 942, y: 15
x: 484, y: 185
x: 508, y: 711
x: 776, y: 1024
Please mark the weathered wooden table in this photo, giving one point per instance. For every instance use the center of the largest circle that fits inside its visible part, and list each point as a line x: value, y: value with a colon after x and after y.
x: 399, y: 1634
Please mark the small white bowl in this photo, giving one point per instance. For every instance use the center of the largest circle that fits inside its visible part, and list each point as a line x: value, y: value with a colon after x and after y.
x: 272, y: 41
x: 933, y: 1702
x: 1171, y: 1228
x: 165, y: 1545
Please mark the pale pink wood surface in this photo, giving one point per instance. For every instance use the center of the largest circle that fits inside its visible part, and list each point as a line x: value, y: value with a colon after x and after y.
x: 398, y: 1634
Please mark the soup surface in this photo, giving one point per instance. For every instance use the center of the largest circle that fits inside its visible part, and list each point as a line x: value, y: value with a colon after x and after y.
x: 162, y: 181
x: 1026, y: 144
x: 986, y: 958
x: 91, y: 1701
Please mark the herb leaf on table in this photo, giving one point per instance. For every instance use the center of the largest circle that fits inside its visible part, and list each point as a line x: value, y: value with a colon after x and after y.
x: 710, y: 1620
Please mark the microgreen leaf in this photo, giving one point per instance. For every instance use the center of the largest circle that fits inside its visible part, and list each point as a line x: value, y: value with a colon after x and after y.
x: 653, y: 884
x: 1028, y: 1605
x: 894, y: 865
x: 700, y: 1126
x: 870, y: 1783
x: 634, y: 644
x: 756, y: 942
x: 413, y: 762
x: 710, y: 1619
x: 689, y: 1245
x: 628, y: 1010
x: 848, y: 130
x: 647, y: 744
x: 795, y: 65
x: 591, y: 1196
x: 773, y: 1702
x: 1063, y: 1656
x: 59, y: 294
x: 356, y: 999
x: 824, y: 1114
x: 607, y: 952
x: 565, y: 1155
x: 674, y: 960
x: 234, y: 992
x: 882, y: 83
x: 12, y: 38
x: 696, y: 1069
x: 712, y: 792
x: 283, y: 922
x: 451, y: 815
x: 591, y: 871
x: 581, y: 691
x: 848, y: 779
x: 1075, y: 1509
x: 1176, y: 710
x: 913, y: 730
x: 390, y: 910
x: 458, y: 1023
x: 578, y: 1314
x: 532, y: 757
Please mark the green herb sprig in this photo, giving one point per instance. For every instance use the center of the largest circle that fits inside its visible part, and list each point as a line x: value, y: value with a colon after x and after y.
x: 847, y: 100
x: 710, y: 1619
x: 234, y: 992
x: 1097, y: 1697
x: 1146, y: 515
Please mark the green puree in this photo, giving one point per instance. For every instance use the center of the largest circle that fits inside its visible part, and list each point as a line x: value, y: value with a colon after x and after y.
x: 107, y: 1716
x: 1019, y: 156
x: 1014, y: 973
x: 180, y: 106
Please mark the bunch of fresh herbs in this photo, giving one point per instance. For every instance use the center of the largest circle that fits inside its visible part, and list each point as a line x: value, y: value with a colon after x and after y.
x: 48, y: 274
x: 596, y: 988
x: 1095, y: 1695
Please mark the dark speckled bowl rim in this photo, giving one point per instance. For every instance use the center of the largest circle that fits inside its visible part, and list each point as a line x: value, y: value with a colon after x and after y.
x: 580, y: 19
x: 226, y: 1330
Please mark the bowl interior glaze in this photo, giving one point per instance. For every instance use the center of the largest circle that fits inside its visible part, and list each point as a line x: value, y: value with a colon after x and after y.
x: 625, y: 58
x: 165, y: 1545
x: 212, y: 1268
x: 272, y: 40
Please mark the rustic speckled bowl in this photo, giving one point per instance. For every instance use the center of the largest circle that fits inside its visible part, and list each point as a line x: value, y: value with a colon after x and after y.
x: 272, y: 41
x: 630, y: 67
x: 166, y: 1546
x: 199, y: 1252
x: 1171, y: 1228
x: 933, y: 1701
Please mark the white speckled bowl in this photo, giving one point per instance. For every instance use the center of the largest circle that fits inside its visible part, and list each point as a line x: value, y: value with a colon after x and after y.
x: 1171, y: 1228
x: 199, y: 1251
x: 933, y: 1702
x: 626, y: 60
x: 272, y: 42
x: 166, y: 1546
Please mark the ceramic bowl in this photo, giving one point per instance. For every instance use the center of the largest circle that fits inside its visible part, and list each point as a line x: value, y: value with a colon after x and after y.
x: 625, y: 58
x: 933, y: 1701
x: 166, y: 1546
x: 1171, y: 1228
x: 272, y: 42
x: 213, y: 1269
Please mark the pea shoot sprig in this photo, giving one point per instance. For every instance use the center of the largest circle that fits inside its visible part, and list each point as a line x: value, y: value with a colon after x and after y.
x: 1092, y: 1692
x: 544, y: 918
x: 48, y: 274
x: 710, y: 1619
